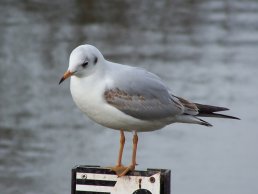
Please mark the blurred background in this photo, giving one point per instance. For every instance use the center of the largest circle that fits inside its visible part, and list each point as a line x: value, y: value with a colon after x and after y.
x: 205, y: 50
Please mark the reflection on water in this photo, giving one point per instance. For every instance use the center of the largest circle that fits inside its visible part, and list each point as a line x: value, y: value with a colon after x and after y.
x: 205, y: 51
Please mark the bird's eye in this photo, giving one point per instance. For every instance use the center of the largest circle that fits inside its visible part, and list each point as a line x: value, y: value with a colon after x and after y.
x: 85, y: 64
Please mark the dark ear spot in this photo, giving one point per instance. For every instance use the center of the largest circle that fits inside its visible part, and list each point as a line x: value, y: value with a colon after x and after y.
x: 95, y: 60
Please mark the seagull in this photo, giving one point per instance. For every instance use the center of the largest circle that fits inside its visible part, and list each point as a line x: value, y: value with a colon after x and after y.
x: 127, y: 98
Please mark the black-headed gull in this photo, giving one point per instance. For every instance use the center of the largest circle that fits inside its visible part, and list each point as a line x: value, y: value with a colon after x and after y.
x: 128, y: 98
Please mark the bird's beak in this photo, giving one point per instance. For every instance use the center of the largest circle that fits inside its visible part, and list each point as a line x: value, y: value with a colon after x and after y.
x: 65, y: 76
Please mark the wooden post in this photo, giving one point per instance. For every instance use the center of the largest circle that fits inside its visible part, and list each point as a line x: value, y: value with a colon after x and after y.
x: 98, y: 180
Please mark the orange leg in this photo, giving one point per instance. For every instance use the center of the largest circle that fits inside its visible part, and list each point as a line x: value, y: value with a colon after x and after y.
x: 131, y: 167
x: 119, y: 168
x: 121, y: 149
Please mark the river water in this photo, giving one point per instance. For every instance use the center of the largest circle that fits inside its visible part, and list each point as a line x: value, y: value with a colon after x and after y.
x: 206, y: 51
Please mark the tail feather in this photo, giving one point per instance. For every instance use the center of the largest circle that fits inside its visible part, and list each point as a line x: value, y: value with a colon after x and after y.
x: 185, y: 118
x: 205, y: 123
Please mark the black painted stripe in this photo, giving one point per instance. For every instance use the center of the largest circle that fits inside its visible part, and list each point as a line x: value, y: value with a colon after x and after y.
x: 90, y: 192
x: 95, y: 182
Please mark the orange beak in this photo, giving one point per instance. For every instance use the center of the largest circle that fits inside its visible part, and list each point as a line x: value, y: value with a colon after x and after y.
x: 65, y: 76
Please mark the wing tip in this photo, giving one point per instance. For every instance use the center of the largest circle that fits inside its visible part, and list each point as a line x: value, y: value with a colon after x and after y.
x: 216, y: 115
x: 203, y: 108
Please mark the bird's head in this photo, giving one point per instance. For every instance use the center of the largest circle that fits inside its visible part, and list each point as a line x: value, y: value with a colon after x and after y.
x: 83, y: 61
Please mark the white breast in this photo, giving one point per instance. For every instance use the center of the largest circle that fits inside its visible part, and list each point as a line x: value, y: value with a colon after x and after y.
x: 87, y: 95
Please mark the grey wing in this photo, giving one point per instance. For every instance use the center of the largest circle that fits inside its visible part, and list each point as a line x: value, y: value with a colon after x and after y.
x: 142, y: 95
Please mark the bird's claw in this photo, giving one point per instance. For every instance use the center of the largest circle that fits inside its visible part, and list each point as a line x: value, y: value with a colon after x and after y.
x: 121, y: 170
